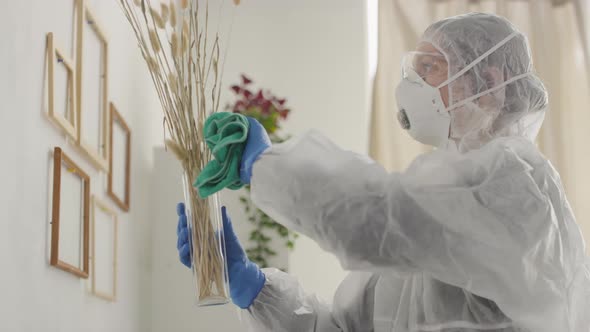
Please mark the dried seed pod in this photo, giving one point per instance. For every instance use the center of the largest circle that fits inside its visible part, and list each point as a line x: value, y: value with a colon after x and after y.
x: 175, y: 45
x: 160, y: 23
x: 165, y: 11
x: 172, y: 82
x: 184, y: 43
x: 185, y: 28
x: 172, y: 14
x: 185, y: 36
x: 177, y: 150
x: 152, y: 64
x: 184, y: 4
x: 154, y: 41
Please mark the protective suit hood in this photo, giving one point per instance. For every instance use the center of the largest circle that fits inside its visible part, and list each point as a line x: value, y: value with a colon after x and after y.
x: 511, y: 99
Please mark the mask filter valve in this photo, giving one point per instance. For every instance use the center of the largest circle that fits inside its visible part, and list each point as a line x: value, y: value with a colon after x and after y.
x: 402, y: 117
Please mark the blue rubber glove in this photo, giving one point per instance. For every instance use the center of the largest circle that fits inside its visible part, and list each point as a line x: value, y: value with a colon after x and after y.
x: 245, y: 278
x: 183, y: 242
x: 257, y: 142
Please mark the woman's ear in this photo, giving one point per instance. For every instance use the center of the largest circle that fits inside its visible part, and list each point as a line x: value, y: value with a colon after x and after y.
x: 493, y: 77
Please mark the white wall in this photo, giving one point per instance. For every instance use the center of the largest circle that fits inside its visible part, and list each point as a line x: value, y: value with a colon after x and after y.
x: 312, y: 52
x: 315, y: 54
x: 35, y: 296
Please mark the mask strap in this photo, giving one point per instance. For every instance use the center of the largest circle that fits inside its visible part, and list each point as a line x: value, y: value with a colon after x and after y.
x: 478, y: 60
x: 496, y: 88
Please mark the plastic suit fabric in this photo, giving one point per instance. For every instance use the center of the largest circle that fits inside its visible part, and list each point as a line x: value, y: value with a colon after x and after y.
x: 478, y: 238
x: 483, y: 240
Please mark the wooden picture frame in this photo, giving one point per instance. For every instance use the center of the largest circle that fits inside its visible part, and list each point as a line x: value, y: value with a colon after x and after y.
x: 69, y: 126
x: 97, y: 155
x: 60, y: 159
x: 111, y: 295
x: 117, y: 119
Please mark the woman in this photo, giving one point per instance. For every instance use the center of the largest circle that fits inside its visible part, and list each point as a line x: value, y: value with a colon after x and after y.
x: 476, y: 235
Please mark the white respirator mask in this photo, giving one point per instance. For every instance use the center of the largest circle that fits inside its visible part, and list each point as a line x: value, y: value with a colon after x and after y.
x: 422, y: 111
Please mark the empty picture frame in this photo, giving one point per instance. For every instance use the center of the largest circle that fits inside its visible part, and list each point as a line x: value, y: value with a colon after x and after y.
x: 118, y: 187
x: 60, y: 89
x: 91, y: 86
x: 70, y: 216
x: 104, y: 250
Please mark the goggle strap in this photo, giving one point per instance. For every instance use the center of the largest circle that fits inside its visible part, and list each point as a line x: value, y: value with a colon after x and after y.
x: 496, y: 88
x: 479, y: 59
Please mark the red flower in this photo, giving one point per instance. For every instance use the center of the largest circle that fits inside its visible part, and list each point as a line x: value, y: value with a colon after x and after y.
x: 247, y: 93
x: 259, y: 97
x: 259, y: 103
x: 246, y: 80
x: 239, y: 106
x: 266, y: 107
x: 236, y: 88
x: 284, y: 113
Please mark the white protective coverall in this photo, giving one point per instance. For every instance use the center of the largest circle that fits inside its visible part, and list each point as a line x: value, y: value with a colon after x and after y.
x: 476, y: 238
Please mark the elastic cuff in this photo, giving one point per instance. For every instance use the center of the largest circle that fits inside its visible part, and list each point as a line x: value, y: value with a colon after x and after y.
x: 262, y: 278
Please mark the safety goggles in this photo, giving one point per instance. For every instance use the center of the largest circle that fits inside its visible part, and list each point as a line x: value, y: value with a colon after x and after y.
x: 424, y: 64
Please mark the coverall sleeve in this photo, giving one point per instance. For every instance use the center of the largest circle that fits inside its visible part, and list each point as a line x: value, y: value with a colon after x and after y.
x: 478, y: 221
x: 283, y: 306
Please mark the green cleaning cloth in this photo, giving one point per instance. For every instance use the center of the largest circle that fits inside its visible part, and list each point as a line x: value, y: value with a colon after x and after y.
x: 225, y: 134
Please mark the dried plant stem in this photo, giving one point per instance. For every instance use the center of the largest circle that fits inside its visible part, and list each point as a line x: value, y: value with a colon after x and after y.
x: 207, y: 257
x: 180, y: 60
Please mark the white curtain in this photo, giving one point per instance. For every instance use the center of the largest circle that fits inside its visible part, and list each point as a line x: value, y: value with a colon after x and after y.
x: 558, y: 33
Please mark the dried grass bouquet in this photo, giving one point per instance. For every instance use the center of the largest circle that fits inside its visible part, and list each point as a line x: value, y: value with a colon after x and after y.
x: 184, y: 63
